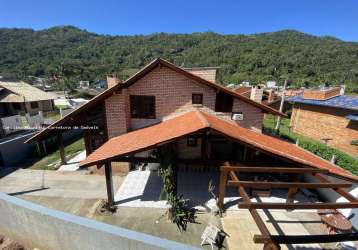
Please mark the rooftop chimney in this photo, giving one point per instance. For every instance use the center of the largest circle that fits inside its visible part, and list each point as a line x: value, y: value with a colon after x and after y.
x: 321, y: 94
x: 112, y: 80
x: 208, y: 73
x: 256, y: 93
x: 271, y: 96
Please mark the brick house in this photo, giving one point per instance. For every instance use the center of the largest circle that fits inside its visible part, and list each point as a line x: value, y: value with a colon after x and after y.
x: 327, y: 116
x: 165, y: 105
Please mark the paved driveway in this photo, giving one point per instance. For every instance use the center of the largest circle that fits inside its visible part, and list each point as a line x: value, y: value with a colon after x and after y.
x: 73, y: 184
x: 144, y: 188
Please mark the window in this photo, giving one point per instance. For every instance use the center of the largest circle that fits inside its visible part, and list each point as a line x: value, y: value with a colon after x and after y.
x: 197, y: 98
x: 142, y: 106
x: 192, y: 141
x: 34, y: 105
x: 223, y: 102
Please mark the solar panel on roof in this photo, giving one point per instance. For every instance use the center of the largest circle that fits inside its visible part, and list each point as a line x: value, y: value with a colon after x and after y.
x: 343, y: 101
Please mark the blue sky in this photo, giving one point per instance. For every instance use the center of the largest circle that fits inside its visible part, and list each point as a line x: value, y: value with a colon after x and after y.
x: 337, y: 18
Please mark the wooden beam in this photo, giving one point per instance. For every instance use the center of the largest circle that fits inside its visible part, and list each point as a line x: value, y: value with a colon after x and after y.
x: 109, y: 183
x: 273, y: 170
x: 264, y: 184
x: 134, y: 159
x: 306, y: 239
x: 340, y: 191
x: 268, y: 244
x: 86, y: 138
x: 233, y: 176
x: 274, y: 205
x: 255, y: 215
x: 62, y: 148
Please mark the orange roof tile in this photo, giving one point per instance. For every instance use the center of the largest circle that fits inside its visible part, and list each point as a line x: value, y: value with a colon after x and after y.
x: 195, y: 121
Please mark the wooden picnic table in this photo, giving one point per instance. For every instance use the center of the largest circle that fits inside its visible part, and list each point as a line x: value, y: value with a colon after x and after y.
x: 334, y: 220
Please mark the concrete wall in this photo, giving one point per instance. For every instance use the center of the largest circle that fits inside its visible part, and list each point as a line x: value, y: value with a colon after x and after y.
x: 15, y: 150
x: 44, y: 228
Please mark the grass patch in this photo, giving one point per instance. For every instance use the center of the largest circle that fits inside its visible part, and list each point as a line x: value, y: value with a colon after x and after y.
x: 54, y: 116
x: 52, y: 161
x: 343, y: 160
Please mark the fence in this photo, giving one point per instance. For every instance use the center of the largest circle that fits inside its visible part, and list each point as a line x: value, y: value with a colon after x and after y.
x: 40, y: 227
x: 15, y: 123
x: 11, y: 124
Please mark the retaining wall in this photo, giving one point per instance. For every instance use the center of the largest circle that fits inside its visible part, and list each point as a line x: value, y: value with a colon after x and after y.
x: 37, y: 226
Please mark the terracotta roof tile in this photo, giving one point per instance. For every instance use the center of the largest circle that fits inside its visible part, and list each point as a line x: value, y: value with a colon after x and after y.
x: 195, y: 121
x: 147, y: 137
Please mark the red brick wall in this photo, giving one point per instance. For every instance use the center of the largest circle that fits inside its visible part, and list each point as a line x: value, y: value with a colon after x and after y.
x: 321, y: 94
x: 323, y: 122
x: 208, y: 74
x: 173, y: 93
x: 253, y: 116
x: 117, y: 123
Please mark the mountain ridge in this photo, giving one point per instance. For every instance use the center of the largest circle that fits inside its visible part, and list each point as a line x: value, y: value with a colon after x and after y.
x: 306, y: 60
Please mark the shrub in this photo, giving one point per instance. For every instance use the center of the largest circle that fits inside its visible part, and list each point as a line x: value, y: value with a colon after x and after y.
x: 342, y: 159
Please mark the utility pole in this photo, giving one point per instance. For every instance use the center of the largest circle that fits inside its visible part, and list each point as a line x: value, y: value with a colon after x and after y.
x: 281, y: 104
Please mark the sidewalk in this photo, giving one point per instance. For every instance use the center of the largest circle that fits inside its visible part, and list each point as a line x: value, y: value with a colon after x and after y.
x: 73, y: 164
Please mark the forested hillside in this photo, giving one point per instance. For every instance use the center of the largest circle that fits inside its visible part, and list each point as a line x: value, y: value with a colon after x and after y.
x: 78, y: 54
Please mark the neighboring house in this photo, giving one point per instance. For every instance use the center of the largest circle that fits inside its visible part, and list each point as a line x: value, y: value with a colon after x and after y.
x: 64, y: 103
x: 84, y: 84
x: 20, y: 98
x: 327, y: 116
x: 167, y: 106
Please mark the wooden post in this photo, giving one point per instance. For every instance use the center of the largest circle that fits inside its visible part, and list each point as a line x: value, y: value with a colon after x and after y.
x: 293, y: 191
x: 245, y: 154
x: 204, y: 154
x: 62, y: 148
x: 174, y: 165
x: 222, y: 186
x: 86, y: 138
x: 109, y: 183
x: 44, y: 147
x: 39, y: 148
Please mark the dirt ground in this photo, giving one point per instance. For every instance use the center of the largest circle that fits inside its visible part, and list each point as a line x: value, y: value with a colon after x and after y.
x: 152, y: 221
x: 155, y: 222
x: 8, y: 244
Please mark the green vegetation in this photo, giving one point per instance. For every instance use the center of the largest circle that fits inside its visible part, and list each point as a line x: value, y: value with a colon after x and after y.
x: 52, y: 160
x: 178, y: 212
x: 72, y: 54
x: 343, y: 160
x: 54, y: 116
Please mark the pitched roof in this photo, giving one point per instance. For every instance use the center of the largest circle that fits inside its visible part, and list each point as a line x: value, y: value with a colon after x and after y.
x: 22, y: 92
x: 141, y: 73
x: 342, y: 101
x: 196, y: 121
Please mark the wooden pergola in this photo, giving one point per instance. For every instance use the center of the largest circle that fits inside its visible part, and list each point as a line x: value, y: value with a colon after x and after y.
x: 229, y: 177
